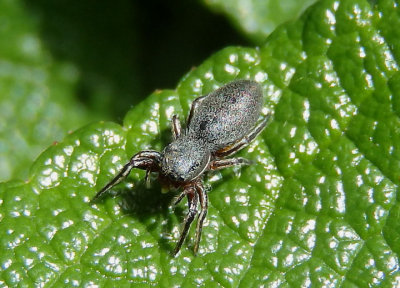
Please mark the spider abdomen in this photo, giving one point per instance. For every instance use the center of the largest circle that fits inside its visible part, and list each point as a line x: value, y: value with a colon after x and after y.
x: 227, y: 114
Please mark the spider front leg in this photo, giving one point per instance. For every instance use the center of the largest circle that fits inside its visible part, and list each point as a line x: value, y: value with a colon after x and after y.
x: 145, y: 160
x: 203, y: 213
x: 192, y: 203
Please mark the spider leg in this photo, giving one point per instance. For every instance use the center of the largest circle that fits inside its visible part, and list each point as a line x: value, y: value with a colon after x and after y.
x: 178, y: 199
x: 245, y: 140
x: 147, y: 178
x: 203, y: 212
x: 146, y: 160
x: 193, y: 108
x: 192, y: 203
x: 225, y: 163
x: 176, y: 127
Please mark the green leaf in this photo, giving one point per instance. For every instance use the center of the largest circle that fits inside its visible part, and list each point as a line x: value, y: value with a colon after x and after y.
x: 258, y: 18
x: 35, y: 93
x: 61, y: 68
x: 320, y: 208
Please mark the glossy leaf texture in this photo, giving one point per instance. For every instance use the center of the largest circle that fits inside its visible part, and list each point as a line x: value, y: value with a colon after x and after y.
x: 319, y: 208
x: 258, y: 18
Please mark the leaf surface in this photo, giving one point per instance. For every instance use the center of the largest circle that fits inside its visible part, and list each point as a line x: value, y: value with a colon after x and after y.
x: 258, y: 18
x: 320, y: 207
x: 35, y: 93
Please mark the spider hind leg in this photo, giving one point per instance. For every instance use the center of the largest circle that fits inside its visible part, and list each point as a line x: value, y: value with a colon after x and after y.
x: 192, y: 203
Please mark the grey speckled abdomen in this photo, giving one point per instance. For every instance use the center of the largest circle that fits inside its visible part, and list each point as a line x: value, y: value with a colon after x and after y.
x: 227, y: 114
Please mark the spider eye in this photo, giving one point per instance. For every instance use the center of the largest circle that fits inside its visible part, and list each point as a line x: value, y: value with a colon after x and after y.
x: 195, y: 166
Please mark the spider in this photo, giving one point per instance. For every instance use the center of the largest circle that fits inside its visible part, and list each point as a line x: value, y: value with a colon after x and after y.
x: 219, y: 124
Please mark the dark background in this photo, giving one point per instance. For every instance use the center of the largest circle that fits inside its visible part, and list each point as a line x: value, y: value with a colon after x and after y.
x: 125, y: 50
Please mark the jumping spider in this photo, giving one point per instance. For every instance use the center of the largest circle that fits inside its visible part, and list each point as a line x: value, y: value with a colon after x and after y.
x: 219, y: 124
